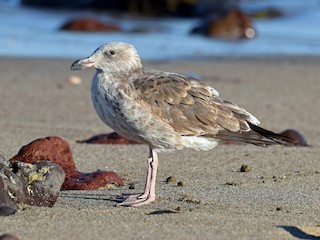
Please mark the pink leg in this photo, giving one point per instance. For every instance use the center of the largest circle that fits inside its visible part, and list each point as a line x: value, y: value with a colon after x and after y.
x: 149, y: 194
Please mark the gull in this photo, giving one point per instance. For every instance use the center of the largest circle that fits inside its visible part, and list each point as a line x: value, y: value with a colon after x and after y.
x: 167, y: 111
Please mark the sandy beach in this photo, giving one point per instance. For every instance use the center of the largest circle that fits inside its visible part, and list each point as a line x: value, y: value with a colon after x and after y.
x: 278, y: 199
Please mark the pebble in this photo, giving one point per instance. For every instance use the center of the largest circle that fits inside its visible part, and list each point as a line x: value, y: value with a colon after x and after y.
x: 187, y: 198
x: 178, y: 209
x: 237, y: 184
x: 180, y: 184
x: 171, y: 179
x: 75, y: 80
x: 245, y: 168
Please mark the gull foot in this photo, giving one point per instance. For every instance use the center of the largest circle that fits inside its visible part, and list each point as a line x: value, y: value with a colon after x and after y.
x: 136, y: 200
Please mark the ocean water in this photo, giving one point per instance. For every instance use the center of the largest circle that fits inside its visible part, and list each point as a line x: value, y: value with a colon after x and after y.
x: 34, y: 32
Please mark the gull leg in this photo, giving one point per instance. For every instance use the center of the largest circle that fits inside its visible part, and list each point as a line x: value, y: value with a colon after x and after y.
x: 149, y: 176
x: 149, y: 194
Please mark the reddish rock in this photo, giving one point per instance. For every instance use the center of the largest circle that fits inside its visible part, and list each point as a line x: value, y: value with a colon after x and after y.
x: 91, y: 181
x: 89, y: 25
x: 57, y: 150
x: 109, y: 138
x: 53, y: 149
x: 233, y: 25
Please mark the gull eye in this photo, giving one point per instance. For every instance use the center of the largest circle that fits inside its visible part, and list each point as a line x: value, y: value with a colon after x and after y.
x: 112, y: 52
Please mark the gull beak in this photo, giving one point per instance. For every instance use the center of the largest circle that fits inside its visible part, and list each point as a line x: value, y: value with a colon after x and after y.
x: 82, y: 64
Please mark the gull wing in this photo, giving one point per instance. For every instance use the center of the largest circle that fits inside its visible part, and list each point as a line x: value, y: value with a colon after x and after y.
x: 190, y: 106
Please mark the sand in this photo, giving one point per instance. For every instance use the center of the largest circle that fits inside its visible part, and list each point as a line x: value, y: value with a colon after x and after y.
x: 278, y: 199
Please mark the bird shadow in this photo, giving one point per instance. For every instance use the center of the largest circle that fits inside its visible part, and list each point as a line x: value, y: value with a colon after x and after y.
x: 97, y: 197
x: 91, y: 196
x: 296, y: 232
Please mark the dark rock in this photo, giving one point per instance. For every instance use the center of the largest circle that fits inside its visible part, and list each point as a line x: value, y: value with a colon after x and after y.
x: 234, y: 24
x: 109, y: 138
x: 36, y: 184
x: 57, y: 150
x: 180, y: 184
x: 12, y: 190
x: 8, y: 236
x: 7, y: 204
x: 132, y: 186
x: 279, y: 208
x: 89, y: 25
x: 44, y: 180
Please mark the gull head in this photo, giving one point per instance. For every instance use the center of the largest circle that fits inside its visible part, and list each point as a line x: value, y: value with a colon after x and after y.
x: 112, y: 57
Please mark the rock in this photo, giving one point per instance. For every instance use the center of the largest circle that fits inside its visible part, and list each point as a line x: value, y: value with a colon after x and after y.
x: 171, y: 179
x: 109, y: 138
x: 89, y: 25
x: 180, y: 184
x: 52, y: 148
x: 7, y: 204
x: 12, y: 191
x: 245, y: 168
x: 36, y: 184
x: 234, y: 24
x: 43, y: 181
x: 57, y: 150
x: 8, y: 237
x: 91, y: 181
x: 297, y: 138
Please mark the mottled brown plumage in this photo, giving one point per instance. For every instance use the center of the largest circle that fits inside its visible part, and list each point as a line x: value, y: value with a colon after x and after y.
x: 167, y: 111
x: 189, y: 106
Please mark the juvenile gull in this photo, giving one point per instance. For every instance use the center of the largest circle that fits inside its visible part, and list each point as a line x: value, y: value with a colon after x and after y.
x: 167, y: 111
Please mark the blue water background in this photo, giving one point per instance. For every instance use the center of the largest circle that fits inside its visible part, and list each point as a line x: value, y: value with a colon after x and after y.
x: 34, y: 32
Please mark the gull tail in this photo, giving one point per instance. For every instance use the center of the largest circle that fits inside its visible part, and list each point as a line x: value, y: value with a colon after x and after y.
x: 257, y: 136
x: 275, y: 138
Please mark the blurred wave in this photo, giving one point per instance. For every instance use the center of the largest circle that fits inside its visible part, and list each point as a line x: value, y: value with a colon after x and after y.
x: 34, y: 32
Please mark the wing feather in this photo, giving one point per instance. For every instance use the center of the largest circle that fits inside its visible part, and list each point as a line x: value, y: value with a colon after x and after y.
x: 191, y: 107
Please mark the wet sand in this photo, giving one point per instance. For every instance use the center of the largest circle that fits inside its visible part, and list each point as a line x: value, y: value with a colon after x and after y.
x: 279, y: 197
